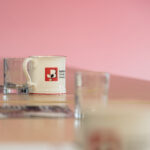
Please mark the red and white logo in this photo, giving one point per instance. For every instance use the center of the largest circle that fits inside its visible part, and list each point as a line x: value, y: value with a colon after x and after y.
x: 51, y: 74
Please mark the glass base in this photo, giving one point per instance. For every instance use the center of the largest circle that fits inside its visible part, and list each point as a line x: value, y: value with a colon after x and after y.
x: 19, y: 90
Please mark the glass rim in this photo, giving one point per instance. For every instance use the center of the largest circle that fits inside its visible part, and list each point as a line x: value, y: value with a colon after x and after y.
x: 92, y: 72
x: 13, y: 58
x: 55, y: 56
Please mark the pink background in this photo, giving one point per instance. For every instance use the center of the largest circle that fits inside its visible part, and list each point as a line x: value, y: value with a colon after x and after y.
x: 101, y: 35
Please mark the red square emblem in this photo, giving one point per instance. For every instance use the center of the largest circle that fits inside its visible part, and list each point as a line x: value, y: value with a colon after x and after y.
x: 51, y: 74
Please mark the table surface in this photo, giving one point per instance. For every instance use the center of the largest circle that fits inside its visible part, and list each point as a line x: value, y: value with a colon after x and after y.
x: 122, y: 90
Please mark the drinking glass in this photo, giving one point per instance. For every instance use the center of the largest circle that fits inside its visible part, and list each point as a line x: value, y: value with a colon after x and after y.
x: 14, y: 78
x: 1, y: 75
x: 120, y: 127
x: 91, y: 90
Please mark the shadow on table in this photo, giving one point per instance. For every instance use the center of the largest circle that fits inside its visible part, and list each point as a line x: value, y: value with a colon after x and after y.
x: 120, y: 87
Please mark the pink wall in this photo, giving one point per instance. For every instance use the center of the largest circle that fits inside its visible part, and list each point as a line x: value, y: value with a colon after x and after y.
x: 102, y: 35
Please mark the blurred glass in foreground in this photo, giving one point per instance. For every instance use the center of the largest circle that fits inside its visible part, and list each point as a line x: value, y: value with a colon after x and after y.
x: 91, y: 89
x: 117, y: 127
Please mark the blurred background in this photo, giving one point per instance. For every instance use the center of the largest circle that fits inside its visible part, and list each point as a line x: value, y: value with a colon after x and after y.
x: 98, y: 35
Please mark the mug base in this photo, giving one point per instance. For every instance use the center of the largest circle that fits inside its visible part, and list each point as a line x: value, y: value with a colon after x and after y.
x: 48, y: 93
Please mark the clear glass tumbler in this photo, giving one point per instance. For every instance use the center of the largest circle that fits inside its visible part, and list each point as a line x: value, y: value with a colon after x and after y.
x: 1, y: 75
x: 14, y: 78
x: 120, y: 127
x: 91, y: 90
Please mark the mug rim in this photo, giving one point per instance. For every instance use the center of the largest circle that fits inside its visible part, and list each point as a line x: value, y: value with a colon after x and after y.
x: 49, y: 56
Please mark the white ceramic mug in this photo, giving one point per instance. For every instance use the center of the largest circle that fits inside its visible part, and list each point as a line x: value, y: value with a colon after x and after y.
x: 46, y: 74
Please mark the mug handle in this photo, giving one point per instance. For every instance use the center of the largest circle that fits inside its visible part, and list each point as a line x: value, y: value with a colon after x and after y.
x: 25, y: 64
